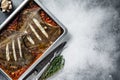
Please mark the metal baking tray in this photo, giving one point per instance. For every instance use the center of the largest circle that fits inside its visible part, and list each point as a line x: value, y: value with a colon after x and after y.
x: 51, y: 50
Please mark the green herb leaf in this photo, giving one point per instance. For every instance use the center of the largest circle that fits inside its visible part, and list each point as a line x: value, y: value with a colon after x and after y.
x: 55, y: 66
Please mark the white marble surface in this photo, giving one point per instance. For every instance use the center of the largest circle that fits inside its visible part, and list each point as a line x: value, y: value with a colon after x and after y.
x: 91, y: 53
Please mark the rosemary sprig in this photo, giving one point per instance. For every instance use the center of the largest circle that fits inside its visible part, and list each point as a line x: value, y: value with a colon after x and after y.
x: 55, y: 66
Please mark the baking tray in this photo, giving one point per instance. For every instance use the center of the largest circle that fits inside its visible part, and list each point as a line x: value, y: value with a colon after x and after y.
x: 61, y: 39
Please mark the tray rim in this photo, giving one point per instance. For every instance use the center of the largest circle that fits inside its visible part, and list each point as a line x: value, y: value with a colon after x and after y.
x: 13, y: 13
x: 6, y: 75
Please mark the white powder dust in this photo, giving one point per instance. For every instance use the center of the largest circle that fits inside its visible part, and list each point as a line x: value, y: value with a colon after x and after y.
x: 92, y: 50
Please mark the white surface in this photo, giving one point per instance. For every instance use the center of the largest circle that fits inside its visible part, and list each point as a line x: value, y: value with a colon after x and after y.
x: 91, y: 52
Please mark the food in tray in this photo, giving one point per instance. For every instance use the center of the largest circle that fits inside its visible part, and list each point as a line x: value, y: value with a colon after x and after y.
x: 6, y: 5
x: 25, y: 39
